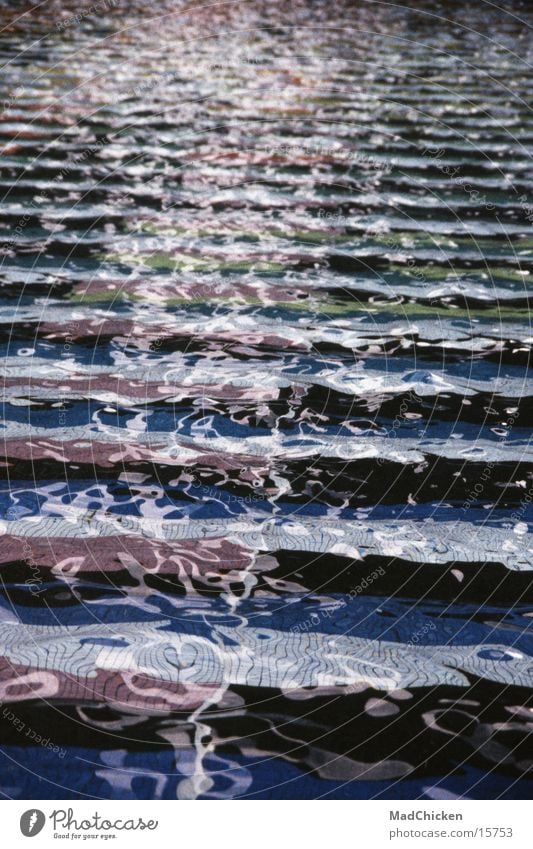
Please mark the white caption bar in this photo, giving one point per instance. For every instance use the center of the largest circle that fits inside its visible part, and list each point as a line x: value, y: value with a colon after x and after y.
x: 268, y: 825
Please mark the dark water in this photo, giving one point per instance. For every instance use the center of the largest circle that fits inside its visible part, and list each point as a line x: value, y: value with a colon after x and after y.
x: 265, y: 338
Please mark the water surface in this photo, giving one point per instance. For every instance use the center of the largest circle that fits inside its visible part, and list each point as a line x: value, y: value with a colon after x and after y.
x: 265, y: 337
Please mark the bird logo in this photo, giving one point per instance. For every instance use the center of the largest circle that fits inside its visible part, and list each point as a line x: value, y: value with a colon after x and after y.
x: 32, y: 822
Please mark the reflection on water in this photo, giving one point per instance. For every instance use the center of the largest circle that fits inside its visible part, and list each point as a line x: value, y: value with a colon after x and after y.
x: 265, y: 337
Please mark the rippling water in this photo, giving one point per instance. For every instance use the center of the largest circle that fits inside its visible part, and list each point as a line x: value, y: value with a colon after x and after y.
x: 265, y: 334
